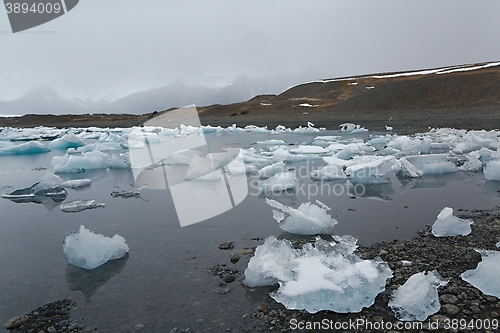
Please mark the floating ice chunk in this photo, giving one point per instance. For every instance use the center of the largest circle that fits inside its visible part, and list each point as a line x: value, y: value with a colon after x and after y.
x: 492, y: 170
x: 410, y: 146
x: 320, y: 276
x: 208, y: 168
x: 471, y: 141
x: 336, y: 147
x: 408, y: 170
x: 432, y: 164
x: 80, y: 205
x: 388, y: 128
x: 472, y: 162
x: 33, y: 147
x: 88, y: 250
x: 372, y: 169
x: 271, y: 170
x: 347, y: 127
x: 485, y: 276
x: 307, y: 105
x: 116, y: 162
x: 335, y: 161
x: 76, y: 183
x: 329, y: 172
x: 449, y: 225
x: 308, y: 219
x: 309, y: 150
x: 80, y: 163
x: 49, y: 186
x: 271, y: 142
x: 279, y: 182
x: 67, y: 141
x: 127, y: 194
x: 418, y: 297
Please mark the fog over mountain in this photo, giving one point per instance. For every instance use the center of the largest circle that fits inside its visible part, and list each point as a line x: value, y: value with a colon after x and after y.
x: 186, y: 91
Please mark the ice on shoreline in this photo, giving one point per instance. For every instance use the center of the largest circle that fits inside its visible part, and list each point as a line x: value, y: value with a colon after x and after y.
x: 418, y: 298
x: 449, y: 225
x: 485, y: 276
x: 307, y: 219
x: 88, y: 250
x: 320, y: 276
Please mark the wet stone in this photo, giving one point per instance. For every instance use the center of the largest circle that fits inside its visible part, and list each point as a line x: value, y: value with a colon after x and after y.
x: 15, y: 322
x: 450, y: 309
x: 449, y: 298
x: 227, y: 246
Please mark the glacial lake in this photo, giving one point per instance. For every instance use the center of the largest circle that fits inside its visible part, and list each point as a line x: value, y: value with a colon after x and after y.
x: 165, y: 281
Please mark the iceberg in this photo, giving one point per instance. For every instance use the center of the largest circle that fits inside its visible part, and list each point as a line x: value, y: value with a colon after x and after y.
x: 88, y: 250
x: 76, y: 206
x: 279, y: 182
x: 320, y: 276
x: 308, y: 219
x: 329, y: 172
x: 80, y: 163
x: 67, y: 141
x: 449, y: 225
x: 485, y: 276
x: 418, y: 297
x: 33, y: 147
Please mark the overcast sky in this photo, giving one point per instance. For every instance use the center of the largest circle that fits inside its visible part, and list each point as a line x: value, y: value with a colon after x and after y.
x: 121, y: 46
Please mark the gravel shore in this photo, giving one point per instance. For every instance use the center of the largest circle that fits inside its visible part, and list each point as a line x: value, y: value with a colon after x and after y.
x: 461, y: 303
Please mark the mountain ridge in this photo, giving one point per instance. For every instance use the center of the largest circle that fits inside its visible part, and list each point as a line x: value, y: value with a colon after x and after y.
x: 462, y: 96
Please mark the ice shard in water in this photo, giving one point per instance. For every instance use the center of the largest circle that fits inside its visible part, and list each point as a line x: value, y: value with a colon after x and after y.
x: 418, y: 298
x: 449, y: 225
x: 76, y: 206
x: 88, y: 250
x: 485, y: 276
x: 320, y: 276
x: 308, y: 219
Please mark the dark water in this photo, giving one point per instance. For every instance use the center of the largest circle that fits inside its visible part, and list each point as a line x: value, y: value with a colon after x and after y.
x: 165, y: 281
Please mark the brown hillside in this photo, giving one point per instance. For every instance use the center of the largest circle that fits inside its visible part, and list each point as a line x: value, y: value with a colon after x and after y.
x: 468, y: 99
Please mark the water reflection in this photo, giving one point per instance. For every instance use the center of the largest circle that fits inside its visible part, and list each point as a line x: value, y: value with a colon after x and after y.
x: 381, y: 191
x: 89, y: 281
x: 492, y: 188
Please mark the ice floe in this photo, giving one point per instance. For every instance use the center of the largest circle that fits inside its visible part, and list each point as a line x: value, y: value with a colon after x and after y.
x: 449, y: 225
x: 279, y: 182
x: 307, y: 219
x: 88, y: 250
x: 32, y: 147
x: 271, y: 170
x: 329, y: 172
x: 418, y: 297
x: 320, y: 276
x: 485, y: 276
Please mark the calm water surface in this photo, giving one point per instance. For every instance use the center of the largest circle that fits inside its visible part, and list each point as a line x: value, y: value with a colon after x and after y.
x: 165, y: 281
